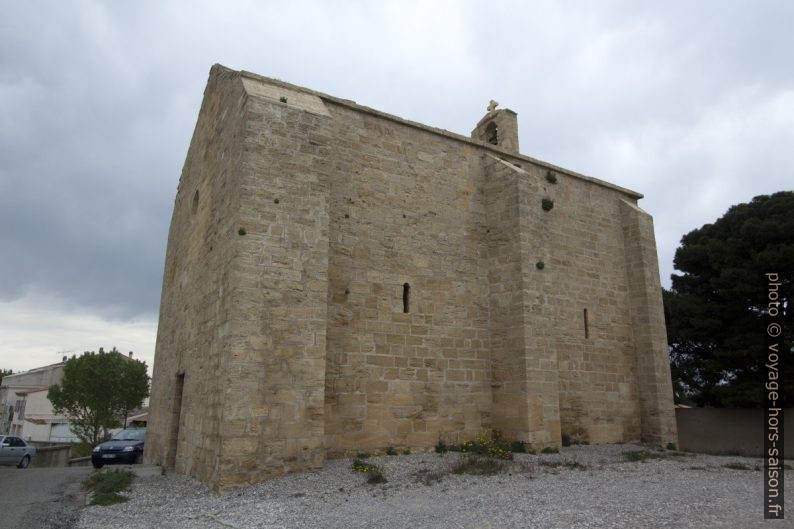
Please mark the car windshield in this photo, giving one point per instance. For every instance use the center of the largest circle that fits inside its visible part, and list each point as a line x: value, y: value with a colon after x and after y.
x: 130, y: 435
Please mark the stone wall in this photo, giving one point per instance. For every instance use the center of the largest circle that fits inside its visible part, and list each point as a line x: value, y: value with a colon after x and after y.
x: 273, y: 416
x: 590, y: 314
x: 338, y: 279
x: 730, y: 431
x: 53, y: 455
x: 195, y: 337
x: 405, y: 214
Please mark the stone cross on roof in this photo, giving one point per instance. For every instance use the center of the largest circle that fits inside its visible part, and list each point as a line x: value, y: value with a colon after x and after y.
x: 492, y: 105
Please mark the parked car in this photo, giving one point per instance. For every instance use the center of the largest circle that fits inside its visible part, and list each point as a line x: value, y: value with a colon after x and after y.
x: 126, y: 447
x: 15, y: 451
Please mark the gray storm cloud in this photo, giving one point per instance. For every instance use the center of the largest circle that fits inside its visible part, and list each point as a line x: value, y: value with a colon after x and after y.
x: 691, y: 105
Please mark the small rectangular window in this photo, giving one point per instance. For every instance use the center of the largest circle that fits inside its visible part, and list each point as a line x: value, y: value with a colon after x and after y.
x: 586, y: 326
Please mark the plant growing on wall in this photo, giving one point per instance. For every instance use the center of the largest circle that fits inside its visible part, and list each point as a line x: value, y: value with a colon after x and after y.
x: 547, y: 204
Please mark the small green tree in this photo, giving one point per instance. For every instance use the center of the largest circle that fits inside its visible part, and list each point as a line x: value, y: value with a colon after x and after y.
x: 5, y: 372
x: 96, y: 391
x: 132, y: 386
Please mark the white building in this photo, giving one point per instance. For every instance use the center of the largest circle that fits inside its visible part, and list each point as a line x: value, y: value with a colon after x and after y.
x: 26, y: 411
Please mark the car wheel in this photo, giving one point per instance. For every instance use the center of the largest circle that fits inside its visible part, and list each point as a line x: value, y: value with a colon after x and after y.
x: 98, y: 465
x: 24, y: 463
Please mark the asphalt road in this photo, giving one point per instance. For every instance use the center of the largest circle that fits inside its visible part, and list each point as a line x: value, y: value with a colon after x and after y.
x: 40, y: 498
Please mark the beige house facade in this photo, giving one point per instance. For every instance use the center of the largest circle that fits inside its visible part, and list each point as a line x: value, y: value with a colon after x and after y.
x: 338, y: 279
x: 27, y: 412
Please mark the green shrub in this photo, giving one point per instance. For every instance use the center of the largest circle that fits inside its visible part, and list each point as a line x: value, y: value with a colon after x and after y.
x: 407, y: 452
x: 362, y: 455
x: 547, y: 204
x: 441, y: 447
x: 376, y: 477
x: 81, y: 449
x: 374, y: 472
x: 550, y: 450
x: 671, y: 446
x: 551, y: 177
x: 487, y: 445
x: 540, y: 265
x: 518, y: 447
x: 391, y: 451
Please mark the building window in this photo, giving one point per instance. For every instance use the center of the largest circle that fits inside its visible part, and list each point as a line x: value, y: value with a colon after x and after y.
x: 20, y: 409
x: 586, y: 325
x: 406, y: 296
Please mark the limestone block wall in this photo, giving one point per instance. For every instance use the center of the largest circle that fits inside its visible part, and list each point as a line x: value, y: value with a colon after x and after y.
x: 405, y: 214
x: 650, y: 339
x: 338, y: 279
x: 272, y: 412
x: 591, y: 315
x: 524, y: 374
x: 193, y: 336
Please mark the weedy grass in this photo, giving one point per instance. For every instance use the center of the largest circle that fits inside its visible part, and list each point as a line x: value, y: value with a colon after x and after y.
x: 641, y: 455
x: 374, y: 472
x: 106, y: 486
x: 478, y: 465
x: 573, y: 465
x: 644, y: 455
x: 427, y: 477
x: 489, y: 445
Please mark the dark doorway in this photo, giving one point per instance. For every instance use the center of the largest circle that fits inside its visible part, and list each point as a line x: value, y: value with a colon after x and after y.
x: 176, y: 419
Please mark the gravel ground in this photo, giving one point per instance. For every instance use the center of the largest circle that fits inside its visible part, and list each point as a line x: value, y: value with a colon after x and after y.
x: 583, y: 487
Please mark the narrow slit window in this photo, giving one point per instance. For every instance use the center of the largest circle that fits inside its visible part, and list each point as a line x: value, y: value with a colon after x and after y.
x: 586, y: 326
x: 406, y: 296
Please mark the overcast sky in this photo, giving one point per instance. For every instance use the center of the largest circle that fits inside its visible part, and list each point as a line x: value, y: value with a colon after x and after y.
x: 690, y: 103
